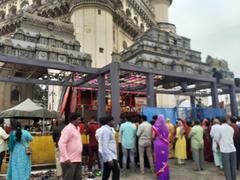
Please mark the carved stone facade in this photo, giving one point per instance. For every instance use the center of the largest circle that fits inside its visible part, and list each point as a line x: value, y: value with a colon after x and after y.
x: 40, y: 38
x: 168, y: 51
x: 108, y: 23
x: 138, y: 30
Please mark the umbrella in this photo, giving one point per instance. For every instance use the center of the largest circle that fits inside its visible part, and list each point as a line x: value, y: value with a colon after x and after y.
x: 28, y: 109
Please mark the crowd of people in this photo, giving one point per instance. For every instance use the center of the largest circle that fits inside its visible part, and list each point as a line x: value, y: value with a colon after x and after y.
x: 149, y: 143
x: 141, y: 143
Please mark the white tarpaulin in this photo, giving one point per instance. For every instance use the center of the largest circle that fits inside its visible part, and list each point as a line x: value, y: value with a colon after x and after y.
x: 28, y: 109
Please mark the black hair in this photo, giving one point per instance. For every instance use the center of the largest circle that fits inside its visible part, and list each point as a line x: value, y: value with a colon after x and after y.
x: 109, y: 118
x: 74, y: 116
x: 82, y: 119
x: 143, y: 117
x: 1, y: 120
x: 105, y: 120
x: 13, y: 124
x: 102, y: 121
x: 189, y: 123
x: 18, y: 132
x: 234, y: 119
x: 93, y: 117
x: 207, y: 123
x: 155, y: 117
x: 129, y: 118
x: 196, y: 122
x: 223, y: 120
x: 123, y: 115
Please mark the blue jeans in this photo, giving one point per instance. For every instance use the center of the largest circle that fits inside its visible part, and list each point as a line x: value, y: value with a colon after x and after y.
x: 125, y: 156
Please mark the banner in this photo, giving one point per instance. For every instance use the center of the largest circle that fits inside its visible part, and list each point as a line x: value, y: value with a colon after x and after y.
x: 187, y: 113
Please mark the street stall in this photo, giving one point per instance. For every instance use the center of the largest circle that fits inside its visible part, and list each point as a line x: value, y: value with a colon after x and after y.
x: 43, y: 148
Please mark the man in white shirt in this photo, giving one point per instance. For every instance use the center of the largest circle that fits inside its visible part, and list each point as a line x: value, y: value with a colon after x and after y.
x: 109, y: 150
x: 144, y: 133
x: 225, y: 140
x: 3, y: 138
x: 215, y: 147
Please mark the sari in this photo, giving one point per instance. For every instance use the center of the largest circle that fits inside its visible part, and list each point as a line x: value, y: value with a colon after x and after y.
x: 208, y: 153
x: 171, y: 138
x: 161, y: 144
x: 180, y: 146
x: 19, y: 167
x: 188, y: 141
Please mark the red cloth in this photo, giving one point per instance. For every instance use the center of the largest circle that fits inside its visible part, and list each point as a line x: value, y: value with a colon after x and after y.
x: 208, y: 154
x: 64, y: 102
x: 91, y: 130
x: 82, y: 128
x: 236, y: 130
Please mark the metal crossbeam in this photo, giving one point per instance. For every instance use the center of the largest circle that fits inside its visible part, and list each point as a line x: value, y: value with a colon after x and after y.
x: 134, y: 68
x: 85, y: 79
x: 34, y: 81
x: 47, y: 64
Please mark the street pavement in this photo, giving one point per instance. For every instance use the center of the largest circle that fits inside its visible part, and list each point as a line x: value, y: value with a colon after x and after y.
x: 183, y: 172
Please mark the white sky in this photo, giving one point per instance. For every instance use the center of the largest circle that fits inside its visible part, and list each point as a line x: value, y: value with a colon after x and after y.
x: 213, y: 27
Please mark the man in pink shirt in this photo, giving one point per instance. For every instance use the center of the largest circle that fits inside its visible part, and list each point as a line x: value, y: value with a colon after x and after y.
x: 70, y: 146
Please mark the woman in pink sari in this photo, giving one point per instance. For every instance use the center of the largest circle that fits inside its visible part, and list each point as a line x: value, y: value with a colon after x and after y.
x: 160, y: 136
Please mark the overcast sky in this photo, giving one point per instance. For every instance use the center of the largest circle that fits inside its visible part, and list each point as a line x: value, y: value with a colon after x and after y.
x: 213, y: 27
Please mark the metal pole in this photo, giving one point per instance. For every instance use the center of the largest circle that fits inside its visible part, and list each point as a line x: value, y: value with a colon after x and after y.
x: 193, y: 103
x: 101, y: 98
x: 214, y: 93
x: 151, y: 97
x: 233, y: 100
x: 115, y: 93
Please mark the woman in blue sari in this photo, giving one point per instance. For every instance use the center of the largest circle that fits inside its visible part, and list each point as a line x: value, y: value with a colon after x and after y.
x: 19, y: 167
x: 160, y: 136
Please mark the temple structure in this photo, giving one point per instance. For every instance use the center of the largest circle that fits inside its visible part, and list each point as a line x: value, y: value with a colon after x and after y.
x: 137, y: 32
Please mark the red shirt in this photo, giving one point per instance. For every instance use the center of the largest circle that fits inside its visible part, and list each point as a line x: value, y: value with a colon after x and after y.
x: 91, y: 130
x: 81, y: 128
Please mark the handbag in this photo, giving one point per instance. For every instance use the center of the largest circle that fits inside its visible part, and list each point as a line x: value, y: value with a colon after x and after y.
x: 28, y: 150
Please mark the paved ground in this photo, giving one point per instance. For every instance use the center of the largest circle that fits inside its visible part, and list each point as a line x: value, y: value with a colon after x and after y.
x: 184, y: 172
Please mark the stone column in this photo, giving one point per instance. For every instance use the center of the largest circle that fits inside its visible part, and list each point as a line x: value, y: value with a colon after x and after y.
x: 214, y: 93
x: 233, y: 100
x: 115, y: 91
x: 161, y: 10
x: 93, y: 27
x: 192, y: 100
x: 101, y: 98
x: 151, y: 97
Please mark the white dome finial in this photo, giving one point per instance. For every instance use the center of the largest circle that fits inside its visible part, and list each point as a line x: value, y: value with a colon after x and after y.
x: 161, y: 10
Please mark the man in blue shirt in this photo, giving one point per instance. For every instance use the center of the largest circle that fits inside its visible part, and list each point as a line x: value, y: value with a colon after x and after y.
x: 127, y: 134
x: 109, y: 149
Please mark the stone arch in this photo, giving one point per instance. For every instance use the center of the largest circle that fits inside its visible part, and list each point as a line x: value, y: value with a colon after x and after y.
x: 2, y: 14
x: 125, y: 45
x: 128, y: 13
x: 13, y: 10
x: 24, y: 5
x: 15, y: 94
x: 37, y: 2
x: 135, y: 20
x: 142, y: 27
x: 120, y: 5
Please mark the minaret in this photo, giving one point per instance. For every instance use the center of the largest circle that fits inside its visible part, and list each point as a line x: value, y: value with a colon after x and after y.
x: 93, y: 27
x: 161, y: 10
x: 161, y: 14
